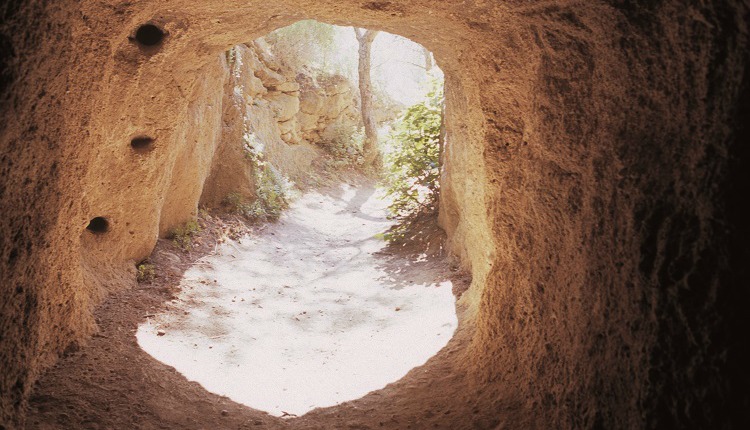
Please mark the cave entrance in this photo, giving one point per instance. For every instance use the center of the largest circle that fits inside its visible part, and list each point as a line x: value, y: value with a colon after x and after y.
x: 317, y: 309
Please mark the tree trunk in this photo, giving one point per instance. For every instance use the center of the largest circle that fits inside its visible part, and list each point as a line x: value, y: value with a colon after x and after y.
x: 370, y: 146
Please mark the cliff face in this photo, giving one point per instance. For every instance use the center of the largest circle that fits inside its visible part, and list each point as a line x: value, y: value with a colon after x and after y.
x: 594, y: 163
x: 271, y: 109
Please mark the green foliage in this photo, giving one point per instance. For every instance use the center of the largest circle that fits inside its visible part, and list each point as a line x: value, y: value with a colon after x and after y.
x: 272, y: 192
x: 304, y: 43
x: 271, y: 188
x: 231, y: 55
x: 343, y: 141
x: 239, y: 205
x: 183, y: 236
x: 146, y: 272
x: 412, y: 166
x: 269, y: 204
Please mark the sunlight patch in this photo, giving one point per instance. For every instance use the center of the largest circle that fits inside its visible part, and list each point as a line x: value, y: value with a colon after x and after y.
x: 305, y: 316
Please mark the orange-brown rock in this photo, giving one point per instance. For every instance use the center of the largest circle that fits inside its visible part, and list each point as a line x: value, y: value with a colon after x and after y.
x: 594, y: 176
x: 231, y: 171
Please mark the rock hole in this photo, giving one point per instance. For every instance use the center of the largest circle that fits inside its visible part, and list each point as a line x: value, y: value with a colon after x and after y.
x: 142, y: 144
x: 149, y: 35
x: 7, y: 54
x: 98, y: 225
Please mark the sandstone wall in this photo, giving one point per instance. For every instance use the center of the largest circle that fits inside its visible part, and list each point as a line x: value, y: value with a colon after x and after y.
x: 610, y: 148
x: 587, y: 184
x: 231, y: 172
x: 276, y: 111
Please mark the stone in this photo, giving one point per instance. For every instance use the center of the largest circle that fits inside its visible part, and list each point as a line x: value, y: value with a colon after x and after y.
x: 269, y: 77
x: 287, y: 87
x: 283, y: 105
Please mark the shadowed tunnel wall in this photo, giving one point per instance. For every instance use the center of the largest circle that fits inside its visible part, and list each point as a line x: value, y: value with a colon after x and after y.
x: 595, y: 162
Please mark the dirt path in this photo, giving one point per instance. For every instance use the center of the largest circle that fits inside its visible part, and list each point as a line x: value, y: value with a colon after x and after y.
x: 304, y: 314
x: 112, y: 383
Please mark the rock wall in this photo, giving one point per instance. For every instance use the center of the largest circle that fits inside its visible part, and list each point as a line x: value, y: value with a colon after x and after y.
x: 274, y: 110
x: 595, y: 160
x: 231, y: 172
x: 611, y: 148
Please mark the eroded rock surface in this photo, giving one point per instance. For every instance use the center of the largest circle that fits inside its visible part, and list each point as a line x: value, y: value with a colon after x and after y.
x: 595, y: 157
x: 271, y: 110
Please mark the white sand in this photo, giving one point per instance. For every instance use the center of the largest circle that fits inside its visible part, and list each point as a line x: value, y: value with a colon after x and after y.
x: 303, y: 315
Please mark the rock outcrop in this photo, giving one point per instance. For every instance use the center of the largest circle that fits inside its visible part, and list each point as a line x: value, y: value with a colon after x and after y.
x: 279, y: 112
x: 303, y: 105
x: 231, y: 171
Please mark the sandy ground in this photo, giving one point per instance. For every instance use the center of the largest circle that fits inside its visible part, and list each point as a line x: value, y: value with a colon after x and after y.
x: 303, y: 314
x: 112, y: 383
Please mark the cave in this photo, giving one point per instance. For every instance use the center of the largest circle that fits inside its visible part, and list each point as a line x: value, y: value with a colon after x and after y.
x: 593, y: 191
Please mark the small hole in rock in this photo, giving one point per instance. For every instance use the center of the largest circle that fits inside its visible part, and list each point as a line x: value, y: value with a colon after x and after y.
x: 149, y: 35
x: 98, y: 225
x: 142, y: 144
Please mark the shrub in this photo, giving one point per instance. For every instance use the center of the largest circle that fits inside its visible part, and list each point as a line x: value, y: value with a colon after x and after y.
x: 271, y: 188
x: 183, y: 236
x: 146, y: 272
x: 343, y: 141
x: 412, y: 165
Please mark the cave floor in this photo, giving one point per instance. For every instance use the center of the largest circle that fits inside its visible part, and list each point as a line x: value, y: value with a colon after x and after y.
x: 305, y: 313
x: 112, y: 383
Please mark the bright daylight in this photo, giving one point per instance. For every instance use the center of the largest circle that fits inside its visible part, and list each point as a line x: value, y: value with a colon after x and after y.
x: 325, y: 286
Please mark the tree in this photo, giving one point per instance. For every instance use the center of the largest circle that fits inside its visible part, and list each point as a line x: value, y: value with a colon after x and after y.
x: 305, y: 43
x: 370, y: 150
x: 412, y: 168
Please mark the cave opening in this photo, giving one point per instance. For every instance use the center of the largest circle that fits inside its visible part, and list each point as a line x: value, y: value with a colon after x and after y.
x: 589, y: 137
x: 331, y: 301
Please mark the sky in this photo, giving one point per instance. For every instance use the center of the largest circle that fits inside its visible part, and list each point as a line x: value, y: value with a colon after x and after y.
x: 394, y: 60
x: 397, y: 64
